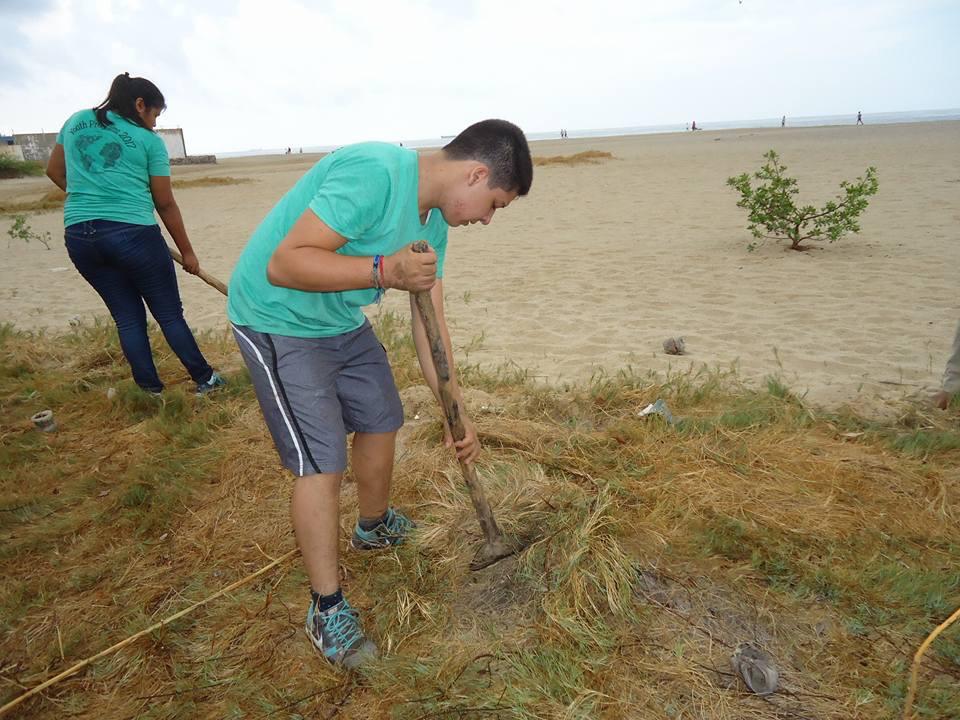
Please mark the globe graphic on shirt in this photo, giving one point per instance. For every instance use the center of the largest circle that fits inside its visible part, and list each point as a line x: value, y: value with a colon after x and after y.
x: 99, y: 152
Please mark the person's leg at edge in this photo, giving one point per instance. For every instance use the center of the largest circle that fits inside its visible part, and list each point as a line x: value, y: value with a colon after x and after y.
x: 122, y: 300
x: 157, y: 282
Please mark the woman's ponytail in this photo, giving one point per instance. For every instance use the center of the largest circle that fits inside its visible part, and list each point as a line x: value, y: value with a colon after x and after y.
x: 122, y: 99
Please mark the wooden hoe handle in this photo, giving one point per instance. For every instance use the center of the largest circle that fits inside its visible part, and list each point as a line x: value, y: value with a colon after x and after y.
x: 451, y: 408
x: 203, y: 275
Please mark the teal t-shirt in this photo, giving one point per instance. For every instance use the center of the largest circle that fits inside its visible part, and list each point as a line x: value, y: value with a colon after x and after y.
x: 367, y: 193
x: 109, y: 169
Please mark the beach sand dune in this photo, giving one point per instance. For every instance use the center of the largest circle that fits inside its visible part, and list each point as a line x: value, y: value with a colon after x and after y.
x: 604, y: 261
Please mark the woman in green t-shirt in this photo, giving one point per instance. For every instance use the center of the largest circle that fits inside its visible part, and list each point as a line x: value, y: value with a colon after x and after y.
x: 116, y: 171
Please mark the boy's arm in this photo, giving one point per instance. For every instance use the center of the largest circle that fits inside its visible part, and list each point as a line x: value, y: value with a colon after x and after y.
x: 307, y: 259
x: 468, y: 449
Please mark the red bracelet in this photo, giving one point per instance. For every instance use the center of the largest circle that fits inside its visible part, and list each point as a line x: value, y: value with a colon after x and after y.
x: 383, y: 261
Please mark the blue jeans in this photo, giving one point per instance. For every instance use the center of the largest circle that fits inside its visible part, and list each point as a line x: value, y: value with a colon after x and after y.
x: 127, y: 265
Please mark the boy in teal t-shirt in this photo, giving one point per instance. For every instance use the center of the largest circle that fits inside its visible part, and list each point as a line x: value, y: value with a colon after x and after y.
x: 337, y: 189
x: 335, y: 242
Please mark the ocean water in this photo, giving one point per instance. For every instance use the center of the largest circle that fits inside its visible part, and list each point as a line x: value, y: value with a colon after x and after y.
x: 882, y: 118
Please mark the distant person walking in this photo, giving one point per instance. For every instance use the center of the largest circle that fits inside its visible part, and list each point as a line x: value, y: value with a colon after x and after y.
x: 116, y: 172
x: 951, y: 376
x: 694, y: 125
x: 859, y: 118
x: 783, y: 121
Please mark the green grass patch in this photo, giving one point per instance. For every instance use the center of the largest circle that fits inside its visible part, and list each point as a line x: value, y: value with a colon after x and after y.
x: 11, y: 167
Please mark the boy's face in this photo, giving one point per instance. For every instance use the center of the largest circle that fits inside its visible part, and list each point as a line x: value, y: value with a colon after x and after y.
x: 473, y: 201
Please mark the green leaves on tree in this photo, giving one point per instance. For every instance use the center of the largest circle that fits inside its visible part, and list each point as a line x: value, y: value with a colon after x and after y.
x: 773, y: 214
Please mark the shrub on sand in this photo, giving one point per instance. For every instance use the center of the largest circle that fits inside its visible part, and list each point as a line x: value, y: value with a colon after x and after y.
x: 21, y: 230
x: 774, y: 216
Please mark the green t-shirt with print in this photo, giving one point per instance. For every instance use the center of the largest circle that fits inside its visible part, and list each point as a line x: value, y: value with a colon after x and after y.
x: 367, y: 193
x: 109, y: 169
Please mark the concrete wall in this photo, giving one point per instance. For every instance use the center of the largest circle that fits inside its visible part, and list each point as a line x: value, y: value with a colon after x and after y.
x: 173, y: 139
x: 36, y: 146
x: 14, y: 151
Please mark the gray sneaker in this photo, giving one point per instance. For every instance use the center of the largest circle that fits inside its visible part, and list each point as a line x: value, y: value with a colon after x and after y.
x: 337, y: 635
x: 392, y: 531
x: 210, y: 385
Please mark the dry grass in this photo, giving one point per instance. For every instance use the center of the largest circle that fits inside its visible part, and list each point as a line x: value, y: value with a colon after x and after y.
x: 587, y: 157
x: 213, y: 181
x: 54, y: 199
x: 51, y: 200
x: 830, y: 541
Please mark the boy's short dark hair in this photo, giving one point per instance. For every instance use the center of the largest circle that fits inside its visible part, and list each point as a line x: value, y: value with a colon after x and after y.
x: 502, y: 147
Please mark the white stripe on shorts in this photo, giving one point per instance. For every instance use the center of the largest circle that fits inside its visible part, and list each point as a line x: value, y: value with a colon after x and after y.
x: 283, y: 412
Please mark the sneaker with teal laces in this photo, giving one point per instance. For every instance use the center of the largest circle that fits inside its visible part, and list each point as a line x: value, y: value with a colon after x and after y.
x: 210, y: 385
x: 337, y: 635
x: 392, y: 531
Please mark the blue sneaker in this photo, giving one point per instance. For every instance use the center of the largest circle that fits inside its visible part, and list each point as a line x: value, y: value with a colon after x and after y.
x: 336, y: 634
x: 210, y: 385
x: 392, y: 531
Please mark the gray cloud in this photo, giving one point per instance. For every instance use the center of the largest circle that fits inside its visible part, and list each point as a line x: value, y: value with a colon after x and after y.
x: 237, y: 76
x: 12, y: 9
x: 14, y: 45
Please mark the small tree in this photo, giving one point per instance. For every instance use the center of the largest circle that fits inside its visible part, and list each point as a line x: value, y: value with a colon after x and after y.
x: 774, y: 216
x: 21, y: 230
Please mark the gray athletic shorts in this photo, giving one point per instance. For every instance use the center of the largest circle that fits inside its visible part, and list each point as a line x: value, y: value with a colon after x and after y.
x: 315, y: 391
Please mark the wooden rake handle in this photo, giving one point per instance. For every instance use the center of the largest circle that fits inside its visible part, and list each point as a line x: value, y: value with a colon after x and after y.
x: 203, y: 275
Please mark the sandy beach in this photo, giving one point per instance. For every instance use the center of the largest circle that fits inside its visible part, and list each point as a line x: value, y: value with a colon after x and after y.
x: 602, y: 262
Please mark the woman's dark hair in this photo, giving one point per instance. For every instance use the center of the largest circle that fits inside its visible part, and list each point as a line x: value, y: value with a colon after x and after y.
x: 122, y: 99
x: 502, y: 147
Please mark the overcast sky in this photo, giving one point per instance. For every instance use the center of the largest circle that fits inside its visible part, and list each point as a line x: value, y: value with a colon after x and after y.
x: 275, y: 73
